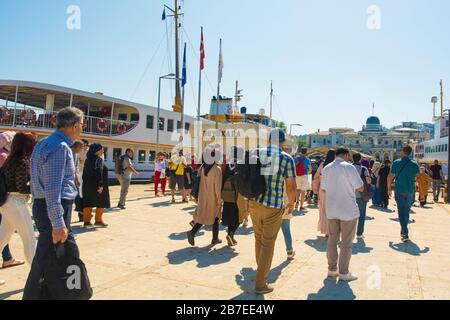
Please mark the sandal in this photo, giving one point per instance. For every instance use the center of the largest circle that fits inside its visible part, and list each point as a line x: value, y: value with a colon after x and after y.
x: 12, y: 263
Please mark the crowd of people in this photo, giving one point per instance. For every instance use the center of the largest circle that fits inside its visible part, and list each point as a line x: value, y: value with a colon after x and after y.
x: 60, y: 172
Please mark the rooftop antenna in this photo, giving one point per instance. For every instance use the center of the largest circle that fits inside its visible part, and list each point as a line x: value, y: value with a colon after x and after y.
x: 442, y: 99
x: 373, y: 109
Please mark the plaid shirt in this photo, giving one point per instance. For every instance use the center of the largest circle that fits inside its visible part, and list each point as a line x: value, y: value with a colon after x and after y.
x: 277, y: 166
x: 53, y: 175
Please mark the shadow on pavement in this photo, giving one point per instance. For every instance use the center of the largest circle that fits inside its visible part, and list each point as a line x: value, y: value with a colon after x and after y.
x: 80, y: 230
x: 162, y: 204
x: 361, y: 247
x: 205, y: 257
x: 409, y: 247
x: 244, y: 231
x: 333, y: 290
x: 6, y: 295
x: 411, y: 221
x: 320, y: 243
x: 183, y: 236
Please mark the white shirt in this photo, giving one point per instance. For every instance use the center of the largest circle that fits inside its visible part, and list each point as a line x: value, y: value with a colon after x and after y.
x: 340, y: 180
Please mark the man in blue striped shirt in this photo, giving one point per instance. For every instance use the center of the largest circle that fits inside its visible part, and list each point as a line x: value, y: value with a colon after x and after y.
x: 268, y: 210
x: 54, y: 190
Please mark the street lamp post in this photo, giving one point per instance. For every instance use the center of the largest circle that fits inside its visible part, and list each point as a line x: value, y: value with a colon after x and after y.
x: 170, y: 76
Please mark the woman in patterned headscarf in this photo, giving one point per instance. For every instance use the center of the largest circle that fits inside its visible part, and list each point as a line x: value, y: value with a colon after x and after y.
x: 95, y: 187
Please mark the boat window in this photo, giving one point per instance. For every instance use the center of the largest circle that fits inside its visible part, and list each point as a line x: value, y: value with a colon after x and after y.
x: 135, y: 117
x: 187, y: 126
x: 142, y: 156
x: 150, y: 122
x: 162, y: 123
x: 117, y: 152
x: 170, y: 125
x: 123, y: 117
x: 151, y: 156
x: 179, y: 125
x: 105, y: 150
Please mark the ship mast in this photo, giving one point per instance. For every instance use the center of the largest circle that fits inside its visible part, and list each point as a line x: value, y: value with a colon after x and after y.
x: 177, y: 107
x: 442, y: 99
x: 271, y: 100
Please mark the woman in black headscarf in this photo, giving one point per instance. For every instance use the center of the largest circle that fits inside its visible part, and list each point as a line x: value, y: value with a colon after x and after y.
x: 95, y: 187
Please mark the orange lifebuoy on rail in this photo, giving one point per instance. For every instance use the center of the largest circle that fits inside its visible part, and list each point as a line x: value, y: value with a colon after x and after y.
x: 102, y: 125
x: 121, y: 128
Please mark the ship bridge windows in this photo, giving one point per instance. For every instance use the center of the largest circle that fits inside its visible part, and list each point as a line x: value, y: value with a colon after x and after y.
x: 151, y: 156
x: 170, y: 124
x: 162, y: 123
x: 134, y: 117
x: 122, y: 117
x: 150, y: 122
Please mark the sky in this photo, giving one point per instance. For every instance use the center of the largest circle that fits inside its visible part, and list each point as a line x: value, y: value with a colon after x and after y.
x: 329, y: 60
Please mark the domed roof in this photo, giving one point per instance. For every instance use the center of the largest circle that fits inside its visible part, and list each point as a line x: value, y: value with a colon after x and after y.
x: 373, y: 121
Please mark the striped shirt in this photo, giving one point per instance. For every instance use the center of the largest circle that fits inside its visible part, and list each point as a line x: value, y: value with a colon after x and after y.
x: 277, y: 166
x: 53, y: 175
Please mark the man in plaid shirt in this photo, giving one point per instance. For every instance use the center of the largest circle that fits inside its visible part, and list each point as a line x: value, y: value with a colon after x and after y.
x: 267, y: 211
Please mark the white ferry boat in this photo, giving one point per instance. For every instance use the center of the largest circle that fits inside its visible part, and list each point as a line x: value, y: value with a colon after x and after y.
x: 116, y: 124
x: 436, y: 148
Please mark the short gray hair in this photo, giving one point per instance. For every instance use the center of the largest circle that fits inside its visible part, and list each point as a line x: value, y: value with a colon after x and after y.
x: 68, y: 117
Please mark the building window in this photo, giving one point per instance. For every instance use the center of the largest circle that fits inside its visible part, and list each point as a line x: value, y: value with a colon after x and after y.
x: 122, y: 117
x: 150, y: 122
x: 116, y: 153
x: 151, y: 156
x: 162, y: 123
x: 141, y: 156
x: 135, y: 117
x: 170, y: 125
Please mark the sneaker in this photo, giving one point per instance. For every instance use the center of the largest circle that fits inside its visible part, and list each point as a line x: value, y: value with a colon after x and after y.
x: 216, y: 241
x: 230, y: 241
x: 191, y: 239
x: 121, y: 207
x: 333, y: 274
x: 405, y: 238
x: 290, y: 255
x: 2, y: 282
x: 245, y: 225
x: 348, y: 277
x: 101, y: 225
x: 88, y: 225
x: 265, y: 290
x: 360, y: 237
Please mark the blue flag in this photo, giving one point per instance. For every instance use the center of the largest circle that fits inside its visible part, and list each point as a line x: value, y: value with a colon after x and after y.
x: 184, y: 76
x: 164, y: 14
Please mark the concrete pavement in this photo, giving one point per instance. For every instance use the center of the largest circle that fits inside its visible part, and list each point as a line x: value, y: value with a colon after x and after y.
x: 145, y: 255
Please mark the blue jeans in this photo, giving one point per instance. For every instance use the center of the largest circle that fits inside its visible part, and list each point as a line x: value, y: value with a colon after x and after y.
x: 6, y: 253
x: 404, y: 204
x: 286, y: 228
x: 45, y: 244
x: 362, y: 205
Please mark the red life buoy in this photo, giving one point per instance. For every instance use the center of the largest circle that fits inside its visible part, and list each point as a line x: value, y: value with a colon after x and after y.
x: 6, y: 115
x: 28, y: 117
x: 102, y: 125
x: 53, y: 120
x: 121, y: 128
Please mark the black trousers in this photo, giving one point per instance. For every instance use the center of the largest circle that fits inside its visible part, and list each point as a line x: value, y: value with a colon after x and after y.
x: 45, y: 244
x: 198, y: 226
x: 384, y: 195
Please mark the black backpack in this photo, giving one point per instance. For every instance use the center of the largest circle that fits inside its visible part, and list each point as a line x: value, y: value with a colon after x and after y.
x: 119, y: 165
x: 3, y: 188
x: 64, y: 276
x: 250, y: 182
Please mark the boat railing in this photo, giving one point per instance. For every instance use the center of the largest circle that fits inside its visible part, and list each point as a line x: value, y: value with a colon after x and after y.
x: 38, y: 119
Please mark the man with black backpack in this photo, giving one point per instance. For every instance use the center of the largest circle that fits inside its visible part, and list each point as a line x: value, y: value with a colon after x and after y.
x: 404, y: 171
x: 276, y: 168
x: 361, y: 198
x: 124, y: 171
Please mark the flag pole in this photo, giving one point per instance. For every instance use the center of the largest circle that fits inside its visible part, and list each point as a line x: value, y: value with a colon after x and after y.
x: 200, y: 78
x: 219, y: 79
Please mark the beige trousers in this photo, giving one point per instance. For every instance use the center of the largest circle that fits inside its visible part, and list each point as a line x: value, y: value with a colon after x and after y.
x: 266, y: 223
x: 345, y: 231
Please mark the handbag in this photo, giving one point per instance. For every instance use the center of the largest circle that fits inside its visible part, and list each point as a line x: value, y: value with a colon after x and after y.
x: 64, y: 276
x: 195, y: 192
